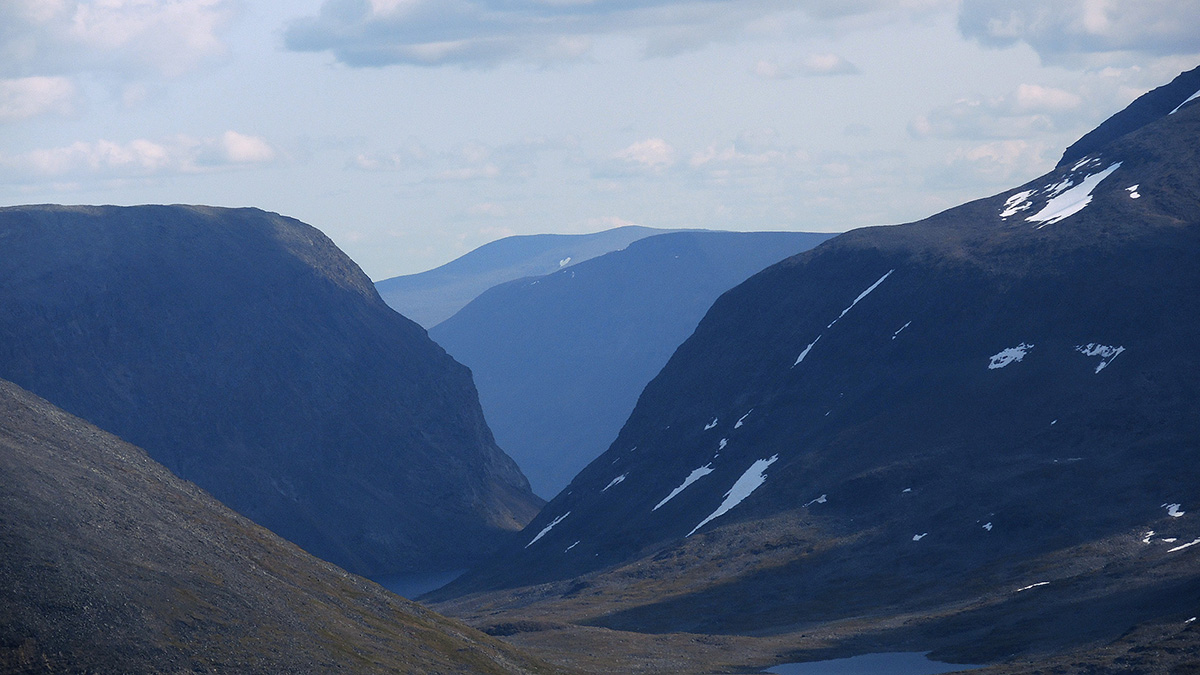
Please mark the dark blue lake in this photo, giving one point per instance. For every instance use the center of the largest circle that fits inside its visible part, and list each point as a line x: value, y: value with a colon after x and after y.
x: 894, y: 663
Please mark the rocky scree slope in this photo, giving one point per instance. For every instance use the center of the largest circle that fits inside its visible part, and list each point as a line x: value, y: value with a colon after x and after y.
x: 109, y: 563
x: 560, y: 359
x: 987, y: 422
x: 248, y: 354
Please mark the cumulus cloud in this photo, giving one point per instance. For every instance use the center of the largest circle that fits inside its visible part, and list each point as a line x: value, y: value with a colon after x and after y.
x: 25, y: 97
x: 1029, y: 110
x: 814, y: 65
x: 485, y: 32
x: 1066, y: 29
x: 998, y: 164
x: 652, y: 153
x: 140, y: 157
x: 62, y: 37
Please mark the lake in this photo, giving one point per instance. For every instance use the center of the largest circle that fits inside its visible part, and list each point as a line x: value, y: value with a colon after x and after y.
x: 892, y: 663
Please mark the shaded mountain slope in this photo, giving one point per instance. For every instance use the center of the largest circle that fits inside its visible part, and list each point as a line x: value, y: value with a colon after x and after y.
x: 559, y: 360
x: 978, y: 433
x: 109, y: 563
x: 245, y: 352
x: 433, y: 296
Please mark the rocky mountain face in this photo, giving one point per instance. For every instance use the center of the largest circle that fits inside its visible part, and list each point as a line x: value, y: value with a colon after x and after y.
x: 560, y: 359
x: 109, y: 563
x: 433, y: 296
x: 248, y: 354
x: 978, y: 433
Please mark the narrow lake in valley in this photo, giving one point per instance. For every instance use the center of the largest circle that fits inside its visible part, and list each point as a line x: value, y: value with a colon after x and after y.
x: 411, y: 585
x: 892, y: 663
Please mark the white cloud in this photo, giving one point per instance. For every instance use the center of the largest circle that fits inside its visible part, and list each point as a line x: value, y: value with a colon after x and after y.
x: 1028, y: 111
x: 139, y: 157
x: 652, y: 153
x: 485, y: 32
x: 998, y: 164
x: 813, y: 65
x: 1065, y: 30
x: 25, y: 97
x: 168, y: 37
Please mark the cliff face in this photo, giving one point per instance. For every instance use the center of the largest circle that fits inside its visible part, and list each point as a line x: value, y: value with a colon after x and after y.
x: 248, y: 354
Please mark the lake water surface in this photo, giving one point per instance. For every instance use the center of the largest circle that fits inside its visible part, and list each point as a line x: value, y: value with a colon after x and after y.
x: 893, y: 663
x: 411, y: 585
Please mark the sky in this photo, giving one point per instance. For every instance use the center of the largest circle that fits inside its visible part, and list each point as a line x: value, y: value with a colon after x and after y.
x: 413, y: 131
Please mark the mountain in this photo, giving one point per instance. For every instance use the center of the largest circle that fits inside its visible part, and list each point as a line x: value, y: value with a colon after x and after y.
x: 248, y: 354
x: 977, y: 434
x: 109, y: 563
x: 433, y: 296
x: 560, y: 359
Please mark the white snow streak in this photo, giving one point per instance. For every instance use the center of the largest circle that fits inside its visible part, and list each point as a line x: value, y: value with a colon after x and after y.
x: 919, y: 537
x: 564, y: 261
x: 1009, y: 356
x: 1016, y: 203
x: 805, y: 352
x: 710, y: 424
x: 1148, y: 535
x: 819, y: 500
x: 738, y: 424
x: 1133, y: 191
x: 571, y: 546
x: 547, y: 529
x: 1189, y: 99
x: 750, y: 481
x: 1173, y: 510
x: 1180, y: 548
x: 1071, y: 201
x: 1106, y: 353
x: 1040, y: 583
x: 692, y: 478
x: 723, y: 443
x: 987, y: 526
x: 614, y: 481
x: 860, y: 297
x: 901, y: 329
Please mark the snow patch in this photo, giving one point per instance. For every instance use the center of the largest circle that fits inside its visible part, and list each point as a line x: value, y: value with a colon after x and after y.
x: 571, y: 547
x: 906, y: 490
x: 1187, y: 545
x: 1017, y: 203
x: 1071, y: 201
x: 1149, y: 534
x: 901, y: 329
x: 919, y: 537
x: 1133, y: 191
x: 805, y: 352
x: 1009, y: 356
x: 564, y: 262
x: 1188, y: 100
x: 860, y: 297
x: 1173, y: 510
x: 819, y: 500
x: 987, y: 526
x: 547, y: 529
x: 710, y: 424
x: 750, y: 481
x: 1040, y: 583
x: 738, y: 424
x: 1106, y: 353
x: 722, y: 444
x: 692, y: 478
x: 618, y: 479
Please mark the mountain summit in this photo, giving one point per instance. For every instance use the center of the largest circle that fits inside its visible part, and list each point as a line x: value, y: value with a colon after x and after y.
x: 248, y: 354
x: 977, y: 433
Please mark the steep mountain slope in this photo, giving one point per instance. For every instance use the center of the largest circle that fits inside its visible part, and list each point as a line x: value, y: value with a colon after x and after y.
x: 977, y: 433
x: 559, y: 360
x: 433, y: 296
x: 245, y: 352
x: 108, y: 563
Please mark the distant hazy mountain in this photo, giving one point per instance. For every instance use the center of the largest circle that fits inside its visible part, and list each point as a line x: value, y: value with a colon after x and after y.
x: 559, y: 360
x: 431, y: 297
x: 978, y: 433
x: 110, y: 564
x: 245, y: 352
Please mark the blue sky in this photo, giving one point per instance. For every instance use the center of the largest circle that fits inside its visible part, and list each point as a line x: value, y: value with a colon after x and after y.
x: 411, y: 131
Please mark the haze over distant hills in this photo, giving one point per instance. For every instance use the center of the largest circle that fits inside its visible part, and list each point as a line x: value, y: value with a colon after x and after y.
x: 433, y: 296
x: 110, y: 564
x: 245, y: 352
x: 560, y: 359
x: 977, y: 434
